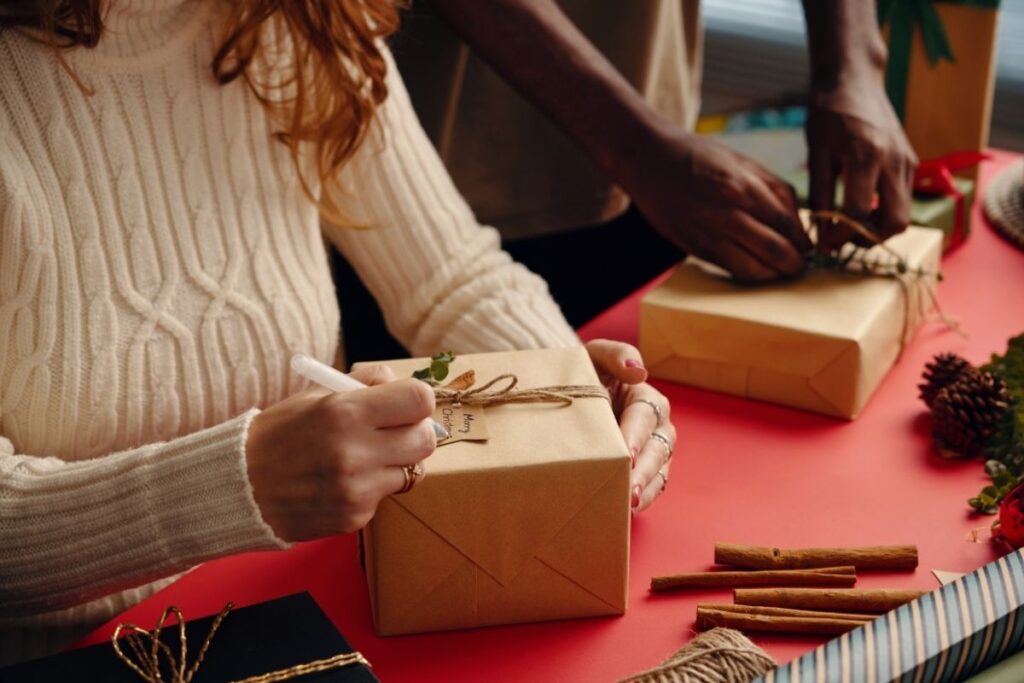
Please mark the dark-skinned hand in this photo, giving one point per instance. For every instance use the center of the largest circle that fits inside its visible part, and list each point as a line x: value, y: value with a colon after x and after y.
x: 722, y: 207
x: 853, y: 134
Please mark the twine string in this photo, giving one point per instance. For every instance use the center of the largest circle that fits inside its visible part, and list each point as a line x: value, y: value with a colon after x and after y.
x: 901, y: 272
x: 146, y: 662
x: 487, y: 395
x: 720, y: 655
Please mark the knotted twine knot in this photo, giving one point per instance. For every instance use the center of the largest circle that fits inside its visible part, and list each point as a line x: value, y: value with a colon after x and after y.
x: 486, y: 395
x: 147, y: 659
x: 720, y: 655
x: 899, y: 270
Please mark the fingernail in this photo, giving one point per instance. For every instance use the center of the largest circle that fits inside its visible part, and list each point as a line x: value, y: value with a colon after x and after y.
x: 633, y: 453
x: 633, y: 363
x: 636, y: 496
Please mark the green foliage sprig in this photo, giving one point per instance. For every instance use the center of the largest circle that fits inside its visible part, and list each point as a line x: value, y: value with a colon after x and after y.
x: 437, y: 371
x: 857, y: 260
x: 1005, y: 448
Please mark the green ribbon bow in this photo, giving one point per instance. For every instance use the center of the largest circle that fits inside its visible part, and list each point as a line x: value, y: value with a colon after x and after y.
x: 903, y: 16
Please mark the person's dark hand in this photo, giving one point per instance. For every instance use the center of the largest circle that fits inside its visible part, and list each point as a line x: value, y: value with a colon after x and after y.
x: 853, y: 134
x: 720, y: 206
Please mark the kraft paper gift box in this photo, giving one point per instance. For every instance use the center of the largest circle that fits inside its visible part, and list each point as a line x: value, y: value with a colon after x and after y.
x: 821, y: 343
x: 940, y: 73
x: 530, y: 525
x: 943, y: 637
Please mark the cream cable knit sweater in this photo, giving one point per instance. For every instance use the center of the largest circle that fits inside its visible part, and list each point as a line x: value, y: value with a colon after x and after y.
x: 158, y: 266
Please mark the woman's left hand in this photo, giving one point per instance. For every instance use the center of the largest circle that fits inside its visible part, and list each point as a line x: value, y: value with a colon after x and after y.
x: 643, y: 414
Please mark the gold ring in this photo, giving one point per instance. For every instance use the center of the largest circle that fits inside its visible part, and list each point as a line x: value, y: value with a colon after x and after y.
x: 664, y: 481
x: 658, y: 415
x: 412, y: 473
x: 664, y: 442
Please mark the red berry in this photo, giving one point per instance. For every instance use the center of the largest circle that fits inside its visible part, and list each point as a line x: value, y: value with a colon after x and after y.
x: 1011, y: 517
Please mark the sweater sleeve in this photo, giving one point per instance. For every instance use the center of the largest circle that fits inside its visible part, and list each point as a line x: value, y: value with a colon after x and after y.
x: 74, y: 531
x: 441, y: 279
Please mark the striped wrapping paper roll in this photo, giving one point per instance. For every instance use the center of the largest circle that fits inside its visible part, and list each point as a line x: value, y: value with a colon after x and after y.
x: 944, y: 636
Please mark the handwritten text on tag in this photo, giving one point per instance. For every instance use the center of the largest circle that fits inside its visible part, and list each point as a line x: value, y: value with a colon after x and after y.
x: 464, y: 423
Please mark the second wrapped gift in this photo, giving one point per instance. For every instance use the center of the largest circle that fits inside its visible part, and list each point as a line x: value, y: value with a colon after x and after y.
x: 822, y: 343
x: 525, y: 520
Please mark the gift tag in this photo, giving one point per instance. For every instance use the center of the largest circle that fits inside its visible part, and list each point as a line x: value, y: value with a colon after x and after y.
x: 464, y: 423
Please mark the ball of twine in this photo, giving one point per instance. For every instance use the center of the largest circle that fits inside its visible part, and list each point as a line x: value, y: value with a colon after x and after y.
x: 1004, y: 203
x: 720, y: 655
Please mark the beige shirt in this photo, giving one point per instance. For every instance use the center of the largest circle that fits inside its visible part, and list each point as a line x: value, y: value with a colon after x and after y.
x: 159, y: 264
x: 517, y: 170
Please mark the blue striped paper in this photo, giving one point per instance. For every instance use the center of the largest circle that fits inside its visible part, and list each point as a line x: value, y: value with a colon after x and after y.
x: 943, y: 637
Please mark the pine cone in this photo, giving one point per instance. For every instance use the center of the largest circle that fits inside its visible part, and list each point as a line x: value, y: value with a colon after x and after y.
x: 943, y: 370
x: 965, y: 414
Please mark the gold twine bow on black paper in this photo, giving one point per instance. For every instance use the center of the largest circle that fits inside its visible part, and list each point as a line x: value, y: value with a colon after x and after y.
x: 146, y: 662
x: 485, y: 395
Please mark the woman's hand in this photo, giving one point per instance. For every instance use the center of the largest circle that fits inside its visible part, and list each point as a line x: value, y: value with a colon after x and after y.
x: 321, y: 462
x: 643, y: 411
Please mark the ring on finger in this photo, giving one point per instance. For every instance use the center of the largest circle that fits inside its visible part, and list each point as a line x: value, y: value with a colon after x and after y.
x: 664, y: 480
x: 664, y: 442
x: 659, y: 416
x: 412, y: 473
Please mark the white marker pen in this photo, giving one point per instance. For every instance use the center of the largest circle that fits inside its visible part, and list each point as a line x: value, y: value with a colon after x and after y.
x: 339, y: 382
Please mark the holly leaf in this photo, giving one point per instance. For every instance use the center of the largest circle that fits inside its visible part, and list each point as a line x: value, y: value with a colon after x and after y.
x: 983, y: 505
x: 423, y: 374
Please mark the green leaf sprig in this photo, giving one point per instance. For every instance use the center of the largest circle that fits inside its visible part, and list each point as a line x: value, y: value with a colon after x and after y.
x: 1005, y: 448
x: 856, y: 260
x: 437, y: 371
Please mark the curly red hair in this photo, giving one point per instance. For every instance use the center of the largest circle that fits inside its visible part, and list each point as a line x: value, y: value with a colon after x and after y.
x: 329, y: 97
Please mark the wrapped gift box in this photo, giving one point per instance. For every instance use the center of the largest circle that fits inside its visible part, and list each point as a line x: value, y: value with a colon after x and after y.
x: 941, y: 71
x: 943, y: 637
x: 821, y: 343
x: 949, y: 214
x: 251, y: 641
x: 530, y: 525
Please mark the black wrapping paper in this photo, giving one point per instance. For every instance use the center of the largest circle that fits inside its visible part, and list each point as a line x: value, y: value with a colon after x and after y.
x: 250, y: 641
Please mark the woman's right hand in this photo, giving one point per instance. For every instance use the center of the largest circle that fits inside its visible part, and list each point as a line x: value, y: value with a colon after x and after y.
x: 321, y: 462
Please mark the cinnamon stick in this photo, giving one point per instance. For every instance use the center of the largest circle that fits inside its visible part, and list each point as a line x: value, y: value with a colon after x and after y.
x: 875, y: 601
x: 708, y: 619
x: 786, y: 612
x: 762, y: 557
x: 827, y: 576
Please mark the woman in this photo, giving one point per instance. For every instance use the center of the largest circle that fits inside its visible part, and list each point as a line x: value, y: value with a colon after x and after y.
x: 163, y: 173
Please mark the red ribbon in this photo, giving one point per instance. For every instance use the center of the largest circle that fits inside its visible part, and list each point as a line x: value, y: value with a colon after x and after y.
x: 934, y: 177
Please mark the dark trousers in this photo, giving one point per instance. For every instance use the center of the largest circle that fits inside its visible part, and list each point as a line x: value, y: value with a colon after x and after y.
x: 587, y: 270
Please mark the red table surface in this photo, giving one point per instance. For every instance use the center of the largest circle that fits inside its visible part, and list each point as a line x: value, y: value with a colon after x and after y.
x: 744, y: 472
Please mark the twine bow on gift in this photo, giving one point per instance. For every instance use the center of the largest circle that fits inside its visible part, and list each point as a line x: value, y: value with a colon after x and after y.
x: 146, y: 647
x: 458, y: 392
x: 903, y: 16
x: 897, y: 268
